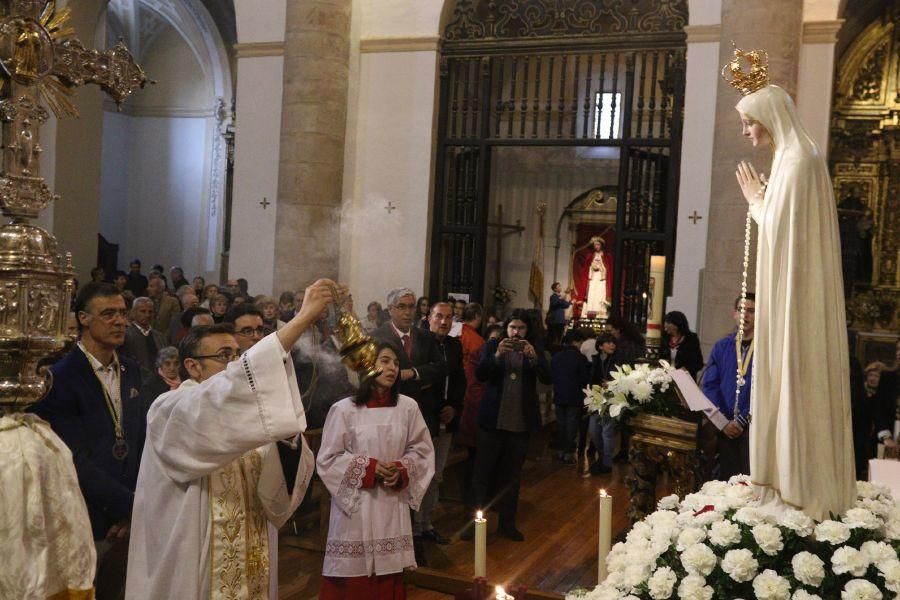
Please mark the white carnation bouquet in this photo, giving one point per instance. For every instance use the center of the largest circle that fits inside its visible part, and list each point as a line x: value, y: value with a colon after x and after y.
x: 633, y: 389
x: 717, y: 544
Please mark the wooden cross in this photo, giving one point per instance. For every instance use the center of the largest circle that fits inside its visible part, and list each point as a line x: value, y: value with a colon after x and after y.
x: 265, y: 203
x: 390, y: 208
x: 43, y: 62
x: 694, y: 218
x: 503, y: 230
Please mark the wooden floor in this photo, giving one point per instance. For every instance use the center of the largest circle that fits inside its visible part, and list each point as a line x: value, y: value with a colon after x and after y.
x: 558, y: 513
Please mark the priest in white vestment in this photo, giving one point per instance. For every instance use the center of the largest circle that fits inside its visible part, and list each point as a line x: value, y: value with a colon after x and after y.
x: 801, y: 443
x: 223, y: 460
x: 376, y: 459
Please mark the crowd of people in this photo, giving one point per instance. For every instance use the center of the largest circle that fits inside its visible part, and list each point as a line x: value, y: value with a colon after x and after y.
x: 176, y: 391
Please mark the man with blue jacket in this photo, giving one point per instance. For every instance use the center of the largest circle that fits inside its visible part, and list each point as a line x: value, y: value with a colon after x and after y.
x: 95, y: 407
x: 720, y: 384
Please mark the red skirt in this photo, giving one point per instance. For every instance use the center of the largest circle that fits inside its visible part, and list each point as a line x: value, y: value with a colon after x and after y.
x: 376, y: 587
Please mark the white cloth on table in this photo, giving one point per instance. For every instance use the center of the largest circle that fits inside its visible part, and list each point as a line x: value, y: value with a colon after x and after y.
x: 801, y: 442
x: 45, y: 533
x: 211, y: 482
x: 370, y: 531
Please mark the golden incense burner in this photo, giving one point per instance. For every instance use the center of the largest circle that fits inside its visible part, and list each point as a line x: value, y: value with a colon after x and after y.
x: 40, y: 61
x: 355, y: 347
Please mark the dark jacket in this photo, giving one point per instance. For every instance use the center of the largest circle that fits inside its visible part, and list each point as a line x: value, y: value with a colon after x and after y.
x: 137, y: 284
x: 689, y: 355
x: 556, y: 315
x: 137, y: 347
x: 570, y: 371
x: 76, y: 409
x: 428, y: 363
x: 601, y: 370
x: 452, y: 388
x: 492, y: 372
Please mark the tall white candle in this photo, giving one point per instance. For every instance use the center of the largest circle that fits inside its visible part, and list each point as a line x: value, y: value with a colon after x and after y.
x: 606, y: 509
x: 480, y: 545
x: 657, y: 293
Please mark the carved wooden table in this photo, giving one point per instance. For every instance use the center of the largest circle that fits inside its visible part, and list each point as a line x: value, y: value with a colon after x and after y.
x: 660, y: 444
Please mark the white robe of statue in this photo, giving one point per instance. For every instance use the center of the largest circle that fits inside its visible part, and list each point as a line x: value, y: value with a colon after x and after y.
x: 211, y: 485
x: 46, y: 542
x: 370, y: 531
x: 596, y: 293
x: 801, y: 444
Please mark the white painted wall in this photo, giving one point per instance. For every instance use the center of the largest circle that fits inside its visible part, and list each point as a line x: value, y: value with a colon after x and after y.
x: 257, y: 145
x: 696, y: 176
x: 156, y: 173
x: 391, y: 163
x: 257, y: 148
x: 399, y: 18
x: 153, y: 187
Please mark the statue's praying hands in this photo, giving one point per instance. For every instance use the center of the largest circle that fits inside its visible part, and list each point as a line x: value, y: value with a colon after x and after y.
x: 753, y: 185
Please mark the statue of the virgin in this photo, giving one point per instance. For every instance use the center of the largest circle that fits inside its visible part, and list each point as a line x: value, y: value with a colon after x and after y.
x: 801, y: 445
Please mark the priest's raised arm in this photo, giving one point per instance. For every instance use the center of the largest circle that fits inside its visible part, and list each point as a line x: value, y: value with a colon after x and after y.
x: 224, y: 461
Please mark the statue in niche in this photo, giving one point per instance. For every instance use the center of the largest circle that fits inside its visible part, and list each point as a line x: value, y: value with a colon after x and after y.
x: 592, y: 270
x: 856, y: 224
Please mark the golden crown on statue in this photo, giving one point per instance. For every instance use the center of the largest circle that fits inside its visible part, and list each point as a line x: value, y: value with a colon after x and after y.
x: 747, y: 82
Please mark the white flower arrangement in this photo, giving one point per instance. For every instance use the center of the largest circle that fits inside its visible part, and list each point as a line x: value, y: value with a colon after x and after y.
x: 716, y: 544
x: 633, y: 389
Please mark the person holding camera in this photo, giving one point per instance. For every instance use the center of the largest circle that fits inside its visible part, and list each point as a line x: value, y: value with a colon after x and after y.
x: 507, y: 414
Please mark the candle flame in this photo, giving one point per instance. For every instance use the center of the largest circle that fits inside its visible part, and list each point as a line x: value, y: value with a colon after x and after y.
x: 501, y: 593
x: 479, y: 515
x: 603, y: 492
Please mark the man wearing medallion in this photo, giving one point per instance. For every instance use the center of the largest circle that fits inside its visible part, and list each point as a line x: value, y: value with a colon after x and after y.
x: 96, y: 408
x: 727, y: 377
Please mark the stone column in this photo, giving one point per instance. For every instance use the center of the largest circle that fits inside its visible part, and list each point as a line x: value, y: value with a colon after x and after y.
x: 314, y: 116
x: 776, y: 27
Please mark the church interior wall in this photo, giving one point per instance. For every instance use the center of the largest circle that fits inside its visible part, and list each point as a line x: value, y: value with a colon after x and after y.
x: 392, y: 164
x: 694, y: 184
x: 258, y: 96
x: 522, y: 178
x: 157, y: 163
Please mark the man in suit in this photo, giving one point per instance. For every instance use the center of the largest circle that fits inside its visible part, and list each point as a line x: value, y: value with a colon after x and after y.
x: 95, y: 407
x: 422, y: 366
x: 556, y: 315
x: 449, y: 391
x: 166, y: 306
x: 142, y: 342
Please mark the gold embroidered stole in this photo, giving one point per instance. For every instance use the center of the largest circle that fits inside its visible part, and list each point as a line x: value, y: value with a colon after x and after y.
x: 239, y: 541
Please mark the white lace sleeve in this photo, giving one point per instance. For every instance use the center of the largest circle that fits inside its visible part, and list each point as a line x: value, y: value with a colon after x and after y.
x: 348, y: 491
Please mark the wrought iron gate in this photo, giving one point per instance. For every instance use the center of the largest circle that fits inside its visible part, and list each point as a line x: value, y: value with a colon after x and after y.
x: 560, y: 73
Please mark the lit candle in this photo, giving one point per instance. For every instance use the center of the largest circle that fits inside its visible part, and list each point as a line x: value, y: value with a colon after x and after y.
x: 606, y: 509
x: 501, y: 594
x: 657, y: 291
x: 480, y: 545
